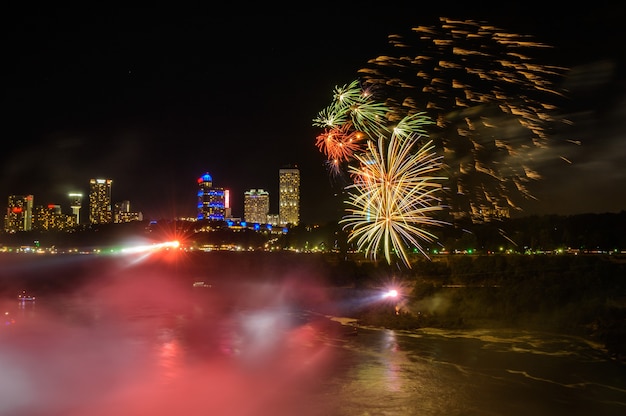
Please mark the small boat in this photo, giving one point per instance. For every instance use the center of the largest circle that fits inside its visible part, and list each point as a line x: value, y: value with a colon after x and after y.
x: 25, y: 297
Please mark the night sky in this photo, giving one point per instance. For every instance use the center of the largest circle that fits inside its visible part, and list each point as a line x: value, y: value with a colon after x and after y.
x: 153, y: 98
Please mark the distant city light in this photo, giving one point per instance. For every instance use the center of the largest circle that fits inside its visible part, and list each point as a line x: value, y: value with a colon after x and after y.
x: 392, y: 293
x: 150, y: 247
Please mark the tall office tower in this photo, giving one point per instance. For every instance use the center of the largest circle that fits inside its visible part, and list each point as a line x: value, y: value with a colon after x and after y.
x: 228, y: 212
x: 256, y: 206
x: 100, y: 211
x: 76, y: 201
x: 289, y: 195
x: 211, y: 201
x: 19, y: 215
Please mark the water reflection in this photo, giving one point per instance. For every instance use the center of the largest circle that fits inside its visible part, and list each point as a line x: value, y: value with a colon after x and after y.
x: 109, y: 351
x: 481, y: 373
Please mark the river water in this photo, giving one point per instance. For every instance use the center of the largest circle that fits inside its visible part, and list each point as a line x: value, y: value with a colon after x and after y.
x: 131, y: 346
x: 478, y: 373
x: 76, y: 358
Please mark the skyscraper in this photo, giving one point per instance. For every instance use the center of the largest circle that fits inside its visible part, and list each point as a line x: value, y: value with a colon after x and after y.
x: 19, y: 215
x: 100, y: 211
x: 228, y: 212
x: 211, y: 201
x: 289, y: 195
x: 76, y: 201
x: 256, y: 206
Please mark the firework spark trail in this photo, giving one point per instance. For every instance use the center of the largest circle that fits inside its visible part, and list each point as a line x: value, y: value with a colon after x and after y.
x: 391, y: 193
x: 392, y: 196
x: 488, y: 98
x: 352, y: 104
x: 340, y: 143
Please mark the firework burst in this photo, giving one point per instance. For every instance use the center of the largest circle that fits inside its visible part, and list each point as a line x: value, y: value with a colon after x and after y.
x: 340, y: 143
x: 393, y: 196
x: 492, y: 105
x: 351, y: 104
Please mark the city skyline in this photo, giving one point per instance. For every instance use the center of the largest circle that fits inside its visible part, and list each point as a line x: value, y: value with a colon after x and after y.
x: 151, y: 99
x: 102, y: 189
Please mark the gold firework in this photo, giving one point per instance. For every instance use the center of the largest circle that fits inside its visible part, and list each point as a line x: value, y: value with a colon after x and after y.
x: 393, y: 196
